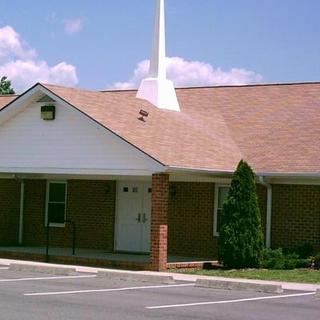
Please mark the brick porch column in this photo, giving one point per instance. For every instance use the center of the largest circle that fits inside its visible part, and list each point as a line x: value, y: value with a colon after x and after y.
x: 159, y: 222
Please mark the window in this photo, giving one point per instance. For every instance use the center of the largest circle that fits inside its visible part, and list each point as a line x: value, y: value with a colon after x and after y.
x: 56, y: 203
x: 221, y: 194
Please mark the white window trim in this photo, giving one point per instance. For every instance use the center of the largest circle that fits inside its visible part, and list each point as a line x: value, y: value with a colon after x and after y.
x: 56, y: 225
x: 216, y: 202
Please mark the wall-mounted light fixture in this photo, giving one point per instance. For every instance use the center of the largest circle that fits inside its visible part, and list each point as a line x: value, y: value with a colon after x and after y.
x: 48, y: 112
x: 107, y: 188
x: 172, y: 191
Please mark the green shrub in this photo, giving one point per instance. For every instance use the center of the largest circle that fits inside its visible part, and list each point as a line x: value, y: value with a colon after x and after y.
x: 277, y: 259
x: 305, y: 251
x: 291, y: 261
x: 273, y: 259
x: 240, y: 236
x: 316, y: 261
x: 304, y: 263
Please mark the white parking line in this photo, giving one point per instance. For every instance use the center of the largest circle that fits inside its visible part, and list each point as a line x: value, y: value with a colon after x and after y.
x: 106, y: 290
x: 47, y: 278
x: 229, y: 301
x: 4, y: 268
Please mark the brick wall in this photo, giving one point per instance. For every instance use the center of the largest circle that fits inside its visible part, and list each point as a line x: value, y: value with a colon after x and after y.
x: 94, y: 212
x: 295, y: 220
x: 9, y: 211
x: 191, y: 218
x: 34, y: 213
x: 159, y: 222
x: 295, y: 215
x: 88, y: 205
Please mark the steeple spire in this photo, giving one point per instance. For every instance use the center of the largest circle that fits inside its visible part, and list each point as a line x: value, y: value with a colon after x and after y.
x: 157, y: 89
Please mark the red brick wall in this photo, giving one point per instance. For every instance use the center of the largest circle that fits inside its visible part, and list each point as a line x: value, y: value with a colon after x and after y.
x: 9, y: 211
x: 93, y: 210
x: 88, y: 206
x: 191, y: 218
x: 295, y: 215
x: 295, y: 220
x: 34, y: 212
x: 159, y: 222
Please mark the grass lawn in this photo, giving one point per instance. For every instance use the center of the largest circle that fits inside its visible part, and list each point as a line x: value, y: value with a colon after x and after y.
x: 297, y: 275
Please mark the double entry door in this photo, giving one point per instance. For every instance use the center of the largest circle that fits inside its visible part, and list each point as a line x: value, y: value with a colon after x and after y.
x: 133, y: 216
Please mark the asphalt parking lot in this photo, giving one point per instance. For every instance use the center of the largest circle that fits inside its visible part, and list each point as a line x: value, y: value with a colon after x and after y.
x: 30, y: 295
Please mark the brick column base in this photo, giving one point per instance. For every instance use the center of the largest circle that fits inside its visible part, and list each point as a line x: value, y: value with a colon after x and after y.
x: 159, y: 222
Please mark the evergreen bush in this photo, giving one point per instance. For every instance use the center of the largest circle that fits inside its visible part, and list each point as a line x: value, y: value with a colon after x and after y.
x: 240, y: 236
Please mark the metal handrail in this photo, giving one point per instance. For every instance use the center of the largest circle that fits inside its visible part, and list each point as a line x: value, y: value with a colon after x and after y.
x: 47, y: 240
x: 73, y: 237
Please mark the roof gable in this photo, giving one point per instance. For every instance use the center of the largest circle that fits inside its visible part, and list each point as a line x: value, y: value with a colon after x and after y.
x: 72, y: 143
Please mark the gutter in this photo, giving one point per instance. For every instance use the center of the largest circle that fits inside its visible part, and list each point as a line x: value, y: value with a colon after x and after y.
x: 289, y: 175
x: 175, y: 169
x: 215, y: 172
x: 263, y: 182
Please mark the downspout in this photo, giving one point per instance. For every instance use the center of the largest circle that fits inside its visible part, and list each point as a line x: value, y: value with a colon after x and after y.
x: 269, y: 210
x: 21, y: 212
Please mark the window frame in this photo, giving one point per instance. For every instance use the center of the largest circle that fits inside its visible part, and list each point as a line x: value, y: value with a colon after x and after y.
x: 53, y: 224
x: 216, y: 203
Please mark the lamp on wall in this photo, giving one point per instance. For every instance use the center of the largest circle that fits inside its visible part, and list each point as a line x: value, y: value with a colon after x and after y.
x: 172, y: 191
x: 107, y: 188
x: 48, y: 112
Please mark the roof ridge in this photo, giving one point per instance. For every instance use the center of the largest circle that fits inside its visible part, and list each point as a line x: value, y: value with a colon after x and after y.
x: 256, y: 85
x: 228, y: 86
x: 48, y: 85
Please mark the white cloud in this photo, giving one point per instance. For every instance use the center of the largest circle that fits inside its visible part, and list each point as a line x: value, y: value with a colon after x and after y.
x: 11, y: 45
x: 25, y: 73
x: 192, y: 73
x: 73, y: 26
x: 21, y: 65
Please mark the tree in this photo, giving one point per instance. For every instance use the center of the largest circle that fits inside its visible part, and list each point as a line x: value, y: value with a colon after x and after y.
x: 240, y: 236
x: 5, y: 86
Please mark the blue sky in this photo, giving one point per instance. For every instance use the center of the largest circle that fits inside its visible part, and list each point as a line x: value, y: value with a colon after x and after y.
x: 100, y: 42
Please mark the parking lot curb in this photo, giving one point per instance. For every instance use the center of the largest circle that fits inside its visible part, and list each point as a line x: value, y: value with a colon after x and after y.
x: 132, y: 276
x: 232, y: 285
x: 61, y: 271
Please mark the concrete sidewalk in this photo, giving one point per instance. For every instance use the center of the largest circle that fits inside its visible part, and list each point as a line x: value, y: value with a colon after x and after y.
x: 176, y: 276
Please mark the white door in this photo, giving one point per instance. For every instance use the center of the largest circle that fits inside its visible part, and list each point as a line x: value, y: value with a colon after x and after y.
x: 133, y: 216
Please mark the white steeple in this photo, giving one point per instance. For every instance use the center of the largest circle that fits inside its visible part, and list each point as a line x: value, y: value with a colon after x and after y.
x: 157, y: 89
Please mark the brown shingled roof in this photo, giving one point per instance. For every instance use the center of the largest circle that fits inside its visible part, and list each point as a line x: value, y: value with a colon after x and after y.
x: 274, y: 127
x: 5, y: 99
x: 181, y: 139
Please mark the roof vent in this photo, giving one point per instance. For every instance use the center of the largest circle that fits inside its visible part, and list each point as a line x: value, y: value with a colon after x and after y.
x: 157, y: 89
x: 143, y: 114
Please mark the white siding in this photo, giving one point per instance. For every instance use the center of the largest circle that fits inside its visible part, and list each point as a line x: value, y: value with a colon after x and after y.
x: 71, y: 142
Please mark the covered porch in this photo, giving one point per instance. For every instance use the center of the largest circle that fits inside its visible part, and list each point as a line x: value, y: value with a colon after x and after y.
x: 168, y: 225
